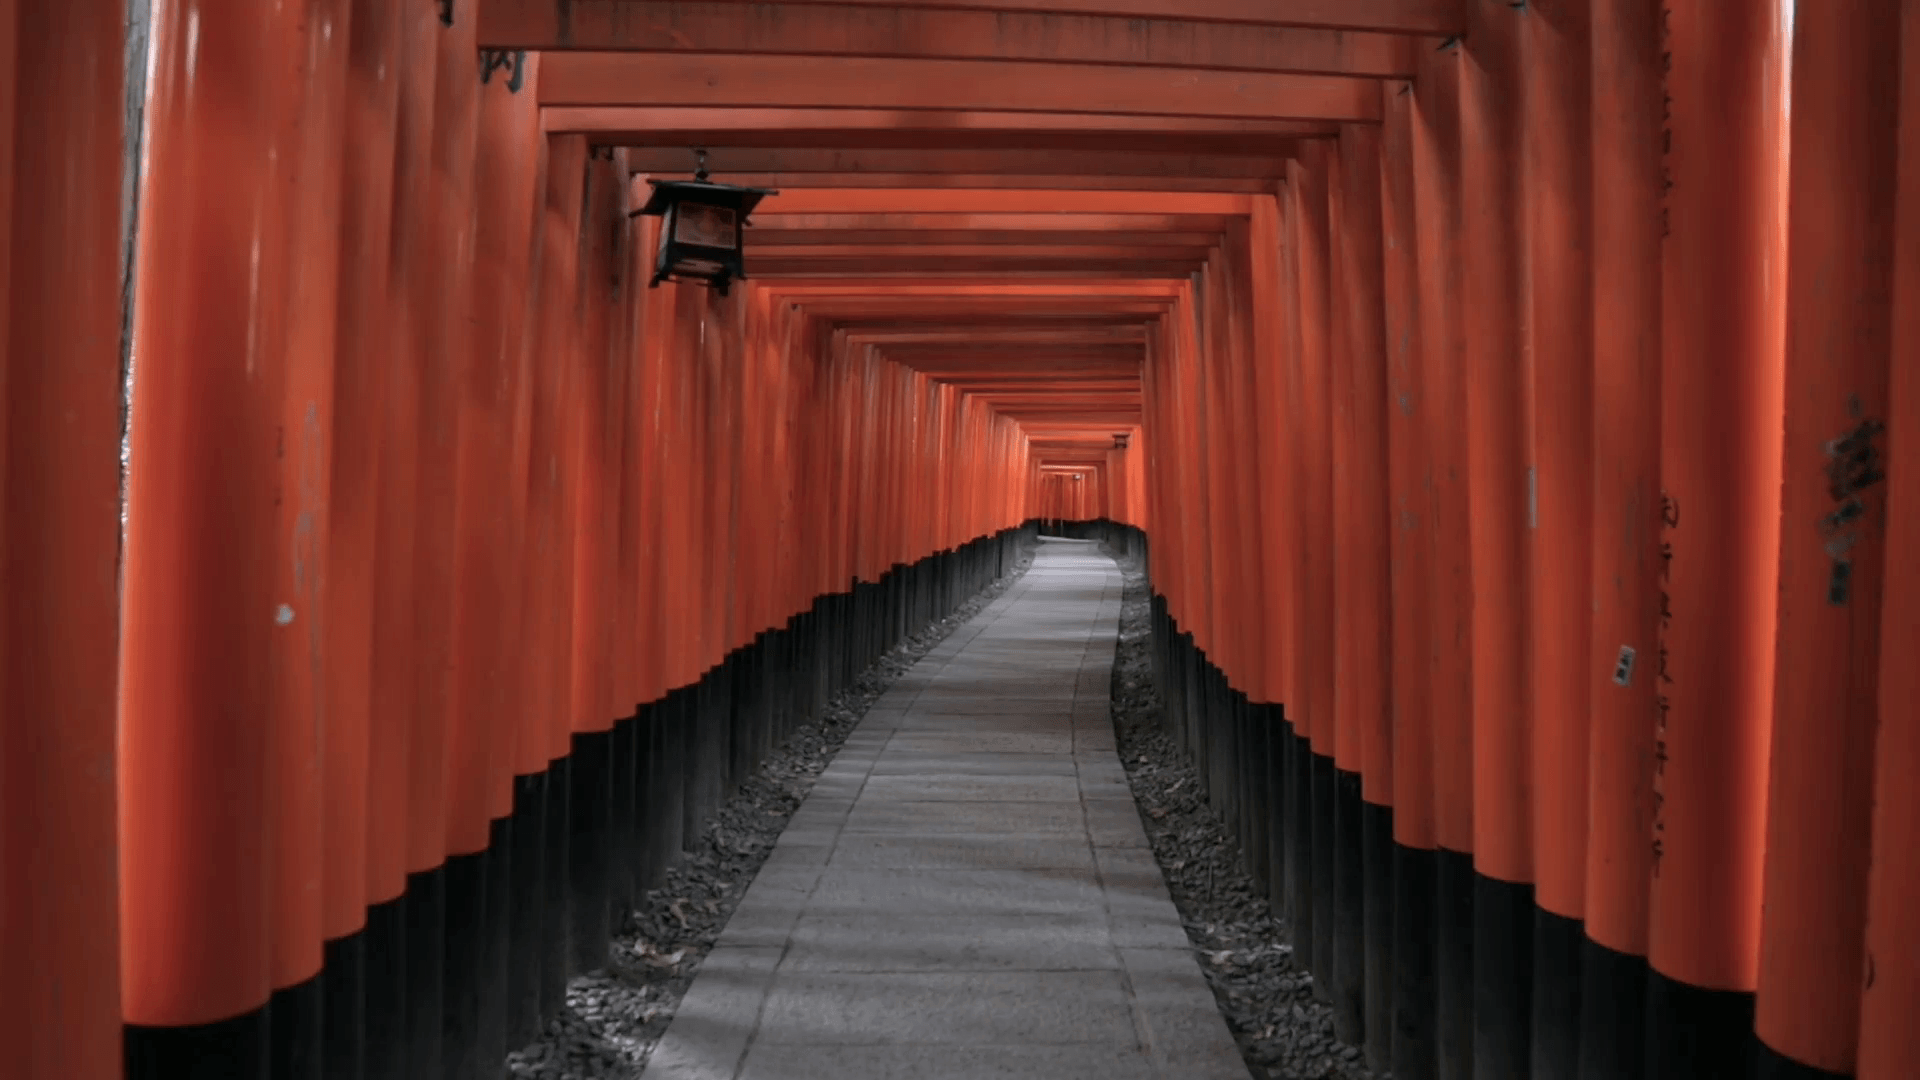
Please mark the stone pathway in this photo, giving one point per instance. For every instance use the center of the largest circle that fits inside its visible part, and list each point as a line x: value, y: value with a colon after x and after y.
x: 967, y: 892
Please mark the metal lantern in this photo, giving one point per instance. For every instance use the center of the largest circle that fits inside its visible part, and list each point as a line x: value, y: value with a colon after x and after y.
x: 703, y: 232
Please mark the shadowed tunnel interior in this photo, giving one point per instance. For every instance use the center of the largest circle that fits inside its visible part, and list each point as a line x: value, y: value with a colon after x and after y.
x: 1505, y: 401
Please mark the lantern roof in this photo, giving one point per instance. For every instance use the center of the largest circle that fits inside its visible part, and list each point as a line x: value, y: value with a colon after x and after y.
x: 700, y: 189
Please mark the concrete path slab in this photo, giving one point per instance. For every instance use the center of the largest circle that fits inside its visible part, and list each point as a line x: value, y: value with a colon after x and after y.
x: 967, y: 892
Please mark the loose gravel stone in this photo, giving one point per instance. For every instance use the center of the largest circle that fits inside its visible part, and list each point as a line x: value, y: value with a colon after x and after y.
x: 1283, y: 1031
x: 615, y: 1016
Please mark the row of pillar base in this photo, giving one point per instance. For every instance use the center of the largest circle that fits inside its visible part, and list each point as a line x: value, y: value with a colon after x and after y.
x: 472, y: 960
x: 1437, y: 971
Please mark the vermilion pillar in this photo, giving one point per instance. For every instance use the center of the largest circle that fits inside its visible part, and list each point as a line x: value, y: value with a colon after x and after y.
x: 1846, y: 78
x: 1278, y: 526
x: 1406, y: 878
x: 594, y: 485
x: 471, y: 951
x: 407, y: 804
x: 1890, y: 994
x: 60, y: 137
x: 1622, y: 667
x: 1437, y: 208
x: 497, y: 393
x: 301, y: 672
x: 1503, y: 502
x: 1313, y: 634
x: 197, y: 616
x: 1720, y: 448
x: 548, y: 592
x: 365, y: 792
x: 1557, y: 205
x: 1364, y: 614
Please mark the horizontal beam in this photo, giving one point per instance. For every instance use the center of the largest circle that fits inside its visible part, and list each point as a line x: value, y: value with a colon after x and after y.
x: 1093, y: 333
x: 763, y: 238
x: 1109, y: 378
x: 1105, y: 391
x: 947, y: 33
x: 851, y: 309
x: 996, y: 181
x: 518, y: 22
x: 1034, y: 250
x: 936, y: 201
x: 1117, y: 418
x: 982, y: 273
x: 680, y: 127
x: 725, y: 161
x: 612, y: 78
x: 990, y: 221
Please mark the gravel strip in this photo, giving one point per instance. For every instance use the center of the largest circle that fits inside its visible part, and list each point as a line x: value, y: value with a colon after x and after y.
x: 1283, y: 1033
x: 614, y: 1017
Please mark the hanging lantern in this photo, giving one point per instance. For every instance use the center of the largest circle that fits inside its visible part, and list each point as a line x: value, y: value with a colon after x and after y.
x: 1120, y: 440
x: 702, y: 235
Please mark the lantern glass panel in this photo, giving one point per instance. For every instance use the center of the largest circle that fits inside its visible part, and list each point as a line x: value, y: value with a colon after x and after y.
x: 706, y: 225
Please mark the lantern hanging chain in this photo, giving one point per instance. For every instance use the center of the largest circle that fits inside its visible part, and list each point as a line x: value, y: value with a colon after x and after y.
x: 700, y: 170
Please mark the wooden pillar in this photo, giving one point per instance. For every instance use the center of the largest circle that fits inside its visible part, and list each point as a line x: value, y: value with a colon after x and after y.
x: 363, y: 832
x: 1310, y: 382
x: 197, y: 615
x: 301, y: 672
x: 1623, y: 657
x: 1720, y: 447
x: 60, y: 194
x: 1557, y: 206
x: 407, y: 740
x: 1437, y: 208
x: 1503, y: 503
x: 1407, y: 874
x: 1364, y: 614
x: 1890, y: 995
x: 1846, y: 84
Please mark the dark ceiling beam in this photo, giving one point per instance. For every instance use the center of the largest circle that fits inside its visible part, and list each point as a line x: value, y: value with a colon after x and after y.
x: 617, y: 79
x: 1162, y: 220
x: 883, y: 128
x: 995, y: 181
x: 1261, y: 163
x: 540, y: 23
x: 763, y: 238
x: 944, y: 33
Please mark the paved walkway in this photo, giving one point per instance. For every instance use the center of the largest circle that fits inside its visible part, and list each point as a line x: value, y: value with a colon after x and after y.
x: 967, y: 892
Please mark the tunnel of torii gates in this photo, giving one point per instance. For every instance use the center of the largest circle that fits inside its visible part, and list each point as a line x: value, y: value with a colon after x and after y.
x: 1510, y: 397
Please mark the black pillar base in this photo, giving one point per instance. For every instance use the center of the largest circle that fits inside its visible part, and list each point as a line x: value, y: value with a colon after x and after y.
x: 1416, y: 959
x: 343, y: 1013
x: 1770, y: 1064
x: 1453, y: 970
x: 297, y: 1015
x: 554, y: 923
x: 1502, y: 977
x: 236, y: 1049
x: 1377, y: 882
x: 1349, y: 912
x: 1613, y: 1013
x: 425, y: 904
x: 526, y: 896
x: 1556, y: 996
x: 1322, y: 847
x: 461, y: 964
x: 1300, y: 849
x: 1695, y: 1032
x: 587, y: 865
